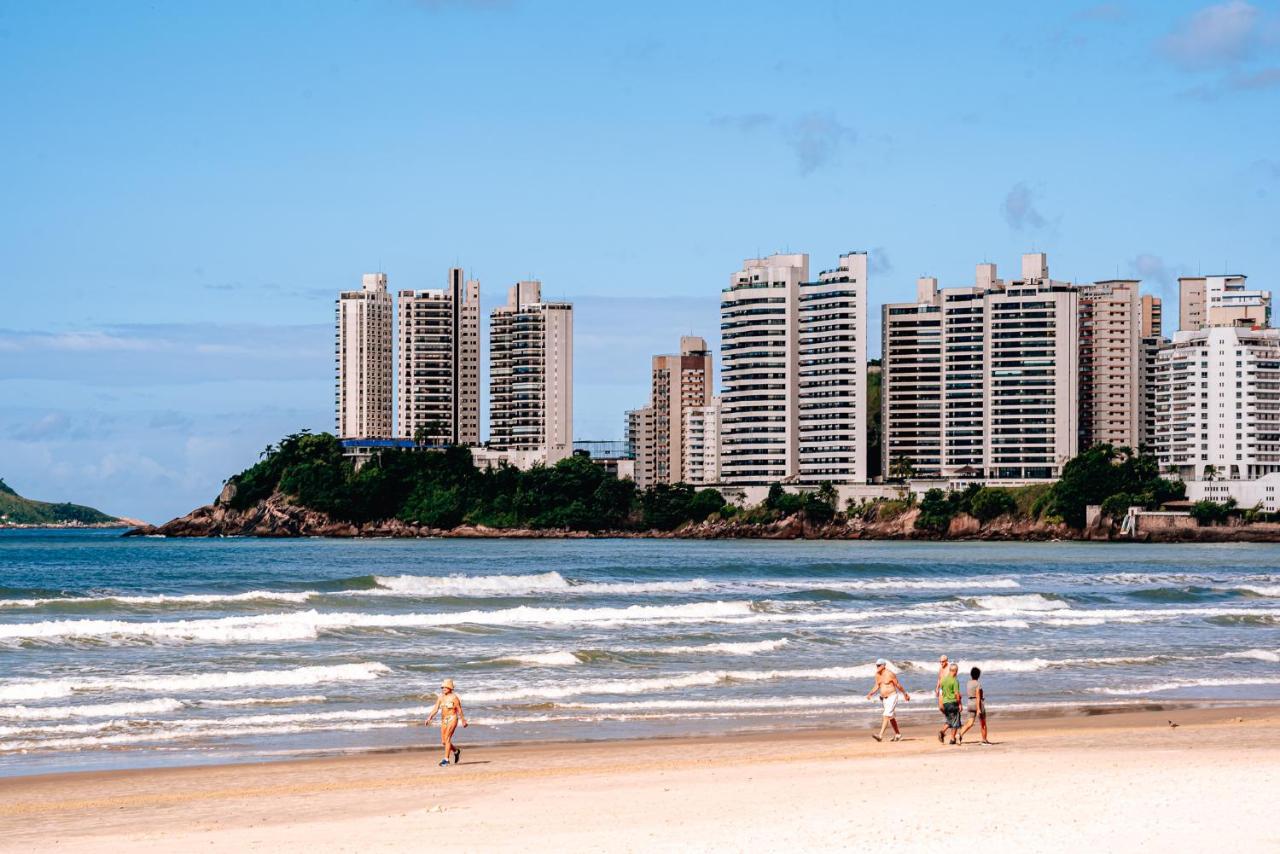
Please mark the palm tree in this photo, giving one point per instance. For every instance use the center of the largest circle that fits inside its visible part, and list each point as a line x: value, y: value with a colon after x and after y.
x: 827, y: 494
x: 1210, y: 472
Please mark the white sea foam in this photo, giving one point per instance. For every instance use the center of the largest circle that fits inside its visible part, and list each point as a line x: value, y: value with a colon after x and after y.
x: 48, y: 689
x: 523, y: 585
x: 729, y: 705
x: 295, y: 596
x: 1019, y: 604
x: 1175, y: 684
x: 911, y: 628
x: 124, y: 739
x: 307, y: 625
x: 553, y: 659
x: 665, y: 683
x: 265, y: 701
x: 1270, y: 655
x: 103, y: 710
x: 1260, y: 589
x: 892, y: 584
x: 728, y: 648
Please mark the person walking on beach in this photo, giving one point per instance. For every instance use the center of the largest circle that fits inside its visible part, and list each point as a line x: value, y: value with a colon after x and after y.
x: 889, y: 687
x: 450, y: 709
x: 977, y: 705
x: 949, y: 703
x: 943, y: 667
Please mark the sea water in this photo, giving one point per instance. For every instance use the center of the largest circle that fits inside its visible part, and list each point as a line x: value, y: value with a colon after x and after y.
x: 122, y: 652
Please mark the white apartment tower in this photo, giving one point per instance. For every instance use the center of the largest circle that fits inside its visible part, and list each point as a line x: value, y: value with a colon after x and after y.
x: 758, y: 357
x: 933, y: 398
x: 832, y: 376
x: 1220, y: 301
x: 1152, y: 340
x: 439, y: 366
x: 531, y: 374
x: 793, y: 351
x: 1217, y: 400
x: 1032, y: 375
x: 680, y: 382
x: 702, y: 444
x: 640, y: 444
x: 1111, y: 364
x: 363, y: 355
x: 981, y: 382
x: 911, y: 391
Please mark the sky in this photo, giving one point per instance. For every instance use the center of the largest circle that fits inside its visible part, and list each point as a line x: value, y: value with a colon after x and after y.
x: 186, y: 186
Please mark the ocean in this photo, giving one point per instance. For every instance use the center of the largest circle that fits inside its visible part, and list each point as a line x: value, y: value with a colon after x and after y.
x: 119, y: 653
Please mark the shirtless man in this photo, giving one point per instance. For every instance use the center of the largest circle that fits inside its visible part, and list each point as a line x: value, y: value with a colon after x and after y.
x: 889, y: 687
x: 943, y: 667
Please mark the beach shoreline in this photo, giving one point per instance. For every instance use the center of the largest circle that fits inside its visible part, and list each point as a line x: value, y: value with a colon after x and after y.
x: 591, y: 795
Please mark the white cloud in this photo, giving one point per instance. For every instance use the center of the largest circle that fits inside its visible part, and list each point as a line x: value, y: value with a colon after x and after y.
x: 816, y: 139
x: 1216, y: 36
x: 1019, y: 208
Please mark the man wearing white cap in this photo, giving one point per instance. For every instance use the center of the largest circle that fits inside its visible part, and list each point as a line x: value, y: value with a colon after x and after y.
x: 889, y: 687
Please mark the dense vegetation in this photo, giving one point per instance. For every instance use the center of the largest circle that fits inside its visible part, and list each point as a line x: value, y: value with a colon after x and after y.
x: 16, y: 510
x: 443, y: 489
x: 1115, y: 478
x: 985, y: 503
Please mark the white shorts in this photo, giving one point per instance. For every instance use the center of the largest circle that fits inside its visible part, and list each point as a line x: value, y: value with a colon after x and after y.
x: 890, y: 704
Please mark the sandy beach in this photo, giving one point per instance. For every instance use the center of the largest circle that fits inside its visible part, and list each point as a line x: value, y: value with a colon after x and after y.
x: 1109, y: 782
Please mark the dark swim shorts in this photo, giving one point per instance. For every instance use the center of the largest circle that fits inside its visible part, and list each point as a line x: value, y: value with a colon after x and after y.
x: 952, y: 711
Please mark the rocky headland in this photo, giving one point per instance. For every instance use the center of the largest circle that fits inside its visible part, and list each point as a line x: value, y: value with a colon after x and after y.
x: 277, y: 517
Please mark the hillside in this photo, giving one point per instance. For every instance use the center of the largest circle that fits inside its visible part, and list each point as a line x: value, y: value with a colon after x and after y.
x: 16, y: 510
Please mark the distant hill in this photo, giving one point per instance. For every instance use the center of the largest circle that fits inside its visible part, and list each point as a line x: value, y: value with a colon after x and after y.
x: 16, y: 510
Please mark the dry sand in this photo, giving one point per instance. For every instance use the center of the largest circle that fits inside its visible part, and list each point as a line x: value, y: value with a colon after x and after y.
x: 1115, y: 782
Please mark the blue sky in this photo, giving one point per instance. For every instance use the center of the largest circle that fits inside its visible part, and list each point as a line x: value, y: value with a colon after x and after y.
x: 187, y: 185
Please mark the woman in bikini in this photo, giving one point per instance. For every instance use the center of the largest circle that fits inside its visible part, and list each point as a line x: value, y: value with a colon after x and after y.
x: 450, y: 709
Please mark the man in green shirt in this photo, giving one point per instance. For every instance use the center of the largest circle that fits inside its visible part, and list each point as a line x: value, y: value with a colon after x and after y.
x: 949, y: 703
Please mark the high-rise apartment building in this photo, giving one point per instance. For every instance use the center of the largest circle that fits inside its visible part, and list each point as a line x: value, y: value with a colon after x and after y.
x: 982, y: 381
x: 1220, y: 301
x: 680, y: 382
x: 911, y: 395
x: 640, y: 444
x: 1152, y: 316
x: 702, y: 444
x: 1032, y: 375
x: 439, y: 366
x: 758, y: 338
x: 363, y: 354
x: 793, y: 372
x: 1217, y: 404
x: 831, y: 421
x: 1111, y: 364
x: 933, y: 398
x: 531, y: 374
x: 1152, y: 340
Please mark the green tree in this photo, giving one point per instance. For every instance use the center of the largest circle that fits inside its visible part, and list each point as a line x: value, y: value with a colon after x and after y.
x: 990, y: 502
x: 1104, y: 471
x: 901, y: 469
x: 936, y: 512
x: 783, y: 502
x: 1208, y: 512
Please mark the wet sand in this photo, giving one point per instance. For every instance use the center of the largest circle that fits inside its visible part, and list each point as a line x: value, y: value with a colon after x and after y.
x: 1108, y: 782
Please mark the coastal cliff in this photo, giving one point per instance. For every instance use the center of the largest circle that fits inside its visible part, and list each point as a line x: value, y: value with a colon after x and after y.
x: 305, y: 487
x: 276, y: 516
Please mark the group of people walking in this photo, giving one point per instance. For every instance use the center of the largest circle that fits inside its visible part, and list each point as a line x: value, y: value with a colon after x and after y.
x: 947, y: 692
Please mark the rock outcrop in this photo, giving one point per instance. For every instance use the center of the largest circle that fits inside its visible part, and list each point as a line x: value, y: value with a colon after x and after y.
x: 276, y: 517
